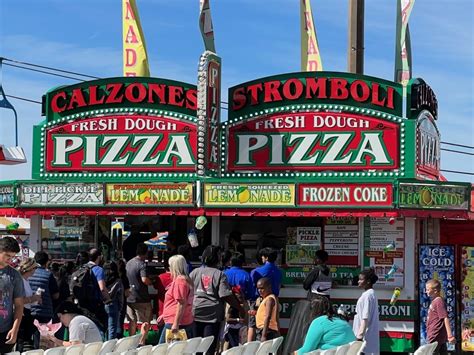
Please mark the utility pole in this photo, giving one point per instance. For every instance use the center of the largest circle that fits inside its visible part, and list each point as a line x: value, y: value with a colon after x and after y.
x: 355, y: 50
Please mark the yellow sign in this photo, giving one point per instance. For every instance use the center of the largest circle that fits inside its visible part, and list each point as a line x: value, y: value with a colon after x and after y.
x: 149, y: 194
x: 249, y: 195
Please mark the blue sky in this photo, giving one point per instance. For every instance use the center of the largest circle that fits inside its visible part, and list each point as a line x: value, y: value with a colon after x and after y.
x: 255, y: 38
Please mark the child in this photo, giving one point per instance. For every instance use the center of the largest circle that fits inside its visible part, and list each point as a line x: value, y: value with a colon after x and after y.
x: 267, y: 317
x: 234, y: 324
x: 437, y: 324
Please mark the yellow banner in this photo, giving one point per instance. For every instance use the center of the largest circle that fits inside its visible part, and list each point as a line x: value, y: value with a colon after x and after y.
x: 249, y: 195
x: 135, y: 61
x: 310, y: 56
x: 149, y: 194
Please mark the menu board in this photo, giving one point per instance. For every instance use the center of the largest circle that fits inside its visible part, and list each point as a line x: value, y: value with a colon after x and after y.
x: 467, y: 298
x: 308, y: 235
x: 437, y: 262
x: 384, y: 249
x: 341, y: 241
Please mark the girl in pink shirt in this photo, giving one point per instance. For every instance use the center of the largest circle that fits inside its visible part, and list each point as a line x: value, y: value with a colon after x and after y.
x: 178, y: 304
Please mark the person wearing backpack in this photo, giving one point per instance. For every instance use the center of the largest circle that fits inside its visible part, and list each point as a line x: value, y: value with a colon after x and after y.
x: 319, y: 281
x: 116, y: 293
x: 89, y: 289
x: 43, y: 279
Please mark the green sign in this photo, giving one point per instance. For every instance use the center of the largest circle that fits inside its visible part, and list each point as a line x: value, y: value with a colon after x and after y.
x: 309, y: 88
x: 7, y: 196
x: 129, y: 92
x: 434, y: 196
x: 403, y: 310
x: 340, y: 275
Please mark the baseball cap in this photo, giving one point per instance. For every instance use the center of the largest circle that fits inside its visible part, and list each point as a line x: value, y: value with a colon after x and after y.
x: 67, y: 307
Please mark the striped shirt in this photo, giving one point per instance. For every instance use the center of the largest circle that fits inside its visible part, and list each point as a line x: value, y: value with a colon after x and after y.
x: 45, y: 279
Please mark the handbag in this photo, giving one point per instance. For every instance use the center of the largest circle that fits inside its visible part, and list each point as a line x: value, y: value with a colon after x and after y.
x: 178, y: 336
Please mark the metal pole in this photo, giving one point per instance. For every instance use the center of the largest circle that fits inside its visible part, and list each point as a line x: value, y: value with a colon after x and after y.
x: 355, y: 53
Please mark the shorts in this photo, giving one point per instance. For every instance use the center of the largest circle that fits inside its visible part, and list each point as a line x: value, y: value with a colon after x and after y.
x: 139, y: 312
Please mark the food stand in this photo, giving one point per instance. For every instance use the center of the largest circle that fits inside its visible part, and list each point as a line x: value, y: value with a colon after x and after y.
x: 304, y: 161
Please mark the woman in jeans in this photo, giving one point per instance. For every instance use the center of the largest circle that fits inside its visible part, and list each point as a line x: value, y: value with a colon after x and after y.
x: 116, y: 291
x: 178, y: 304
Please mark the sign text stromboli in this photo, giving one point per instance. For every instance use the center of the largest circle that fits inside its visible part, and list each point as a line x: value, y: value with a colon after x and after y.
x: 311, y: 88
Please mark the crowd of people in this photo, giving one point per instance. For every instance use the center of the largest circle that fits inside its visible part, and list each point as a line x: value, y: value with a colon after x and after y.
x: 92, y: 297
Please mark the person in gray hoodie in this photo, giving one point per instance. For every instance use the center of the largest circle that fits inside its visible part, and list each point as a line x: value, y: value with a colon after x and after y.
x: 319, y: 280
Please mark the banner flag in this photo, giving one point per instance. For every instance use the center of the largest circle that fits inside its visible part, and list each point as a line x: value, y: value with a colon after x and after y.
x: 310, y: 56
x: 402, y: 43
x: 135, y: 61
x: 205, y: 24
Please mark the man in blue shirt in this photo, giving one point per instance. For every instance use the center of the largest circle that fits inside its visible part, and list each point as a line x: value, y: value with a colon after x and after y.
x: 43, y: 279
x: 236, y: 276
x: 270, y: 271
x: 102, y: 297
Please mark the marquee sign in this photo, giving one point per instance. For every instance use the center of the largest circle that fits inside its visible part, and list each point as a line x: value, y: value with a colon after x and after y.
x: 121, y: 143
x: 434, y: 196
x: 312, y: 141
x: 51, y: 195
x: 345, y: 195
x: 428, y: 155
x: 309, y: 88
x: 7, y: 195
x: 149, y: 194
x: 421, y: 97
x: 209, y: 107
x: 249, y: 195
x: 144, y: 93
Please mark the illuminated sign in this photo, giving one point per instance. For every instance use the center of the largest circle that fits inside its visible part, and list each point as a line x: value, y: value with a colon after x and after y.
x: 427, y: 146
x: 313, y: 141
x: 421, y: 97
x: 121, y: 92
x: 209, y: 98
x: 7, y: 196
x: 121, y: 143
x: 315, y: 88
x: 345, y: 195
x: 433, y: 196
x: 49, y: 195
x: 249, y: 195
x: 149, y: 194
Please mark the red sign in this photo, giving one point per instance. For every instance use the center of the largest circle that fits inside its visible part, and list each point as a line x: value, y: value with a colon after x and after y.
x: 122, y: 143
x: 345, y: 195
x: 213, y: 119
x: 313, y: 141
